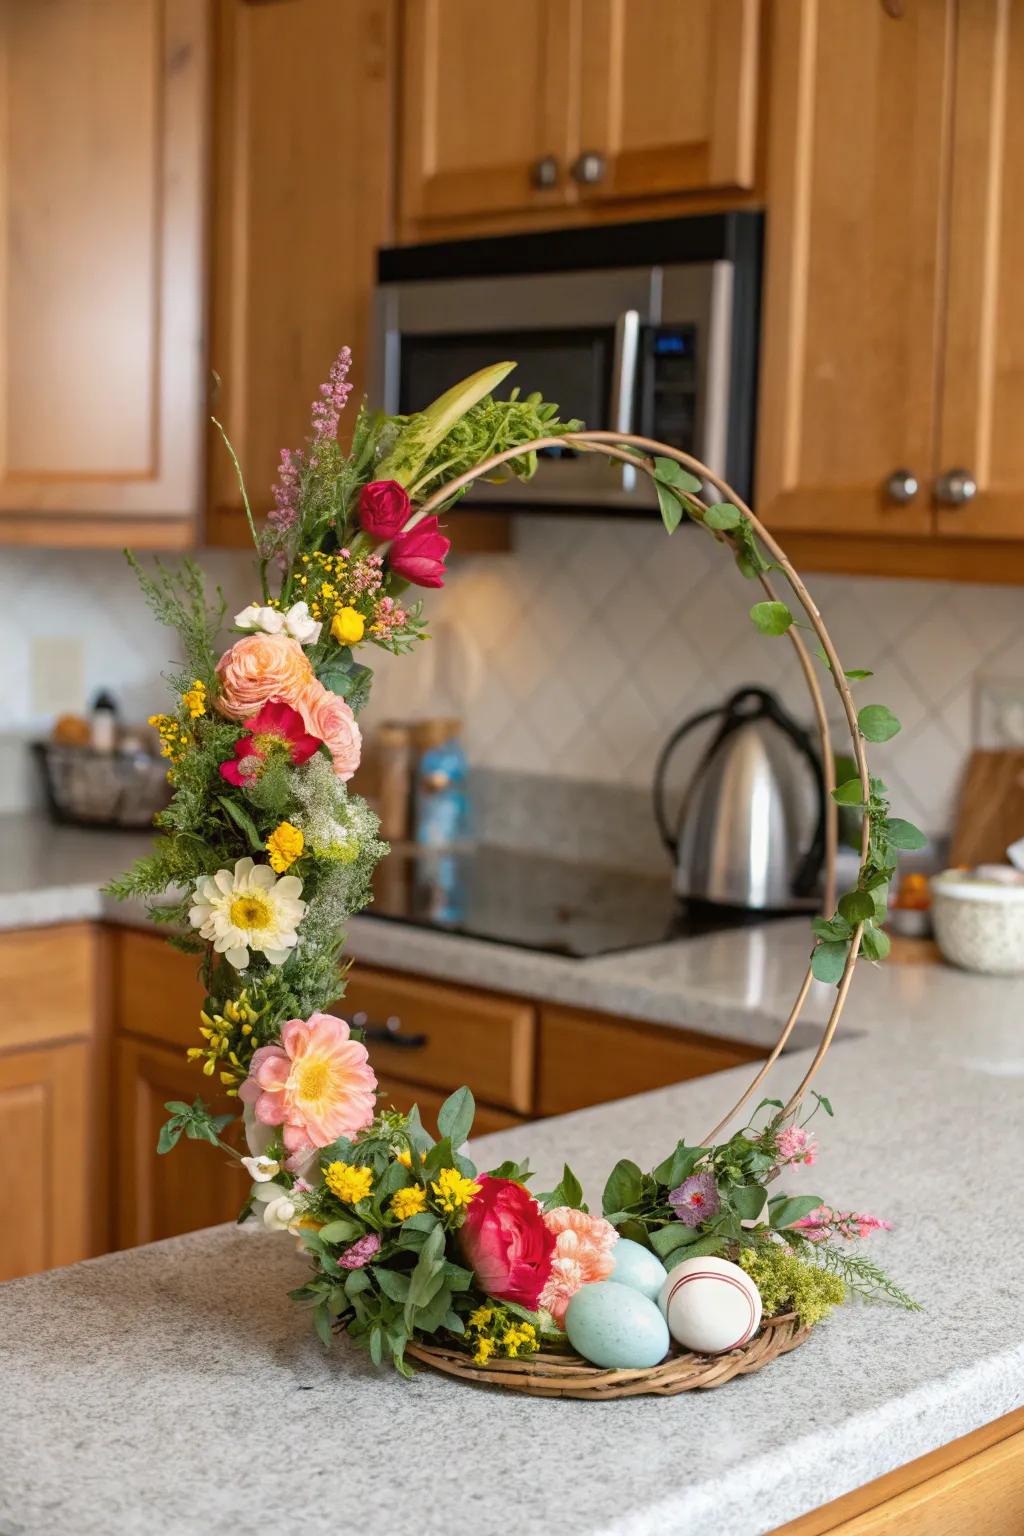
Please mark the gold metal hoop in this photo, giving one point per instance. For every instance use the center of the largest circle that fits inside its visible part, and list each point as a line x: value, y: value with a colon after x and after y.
x: 614, y: 446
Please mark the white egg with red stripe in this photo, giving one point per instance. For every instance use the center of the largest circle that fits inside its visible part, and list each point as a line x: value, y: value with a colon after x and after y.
x: 710, y: 1305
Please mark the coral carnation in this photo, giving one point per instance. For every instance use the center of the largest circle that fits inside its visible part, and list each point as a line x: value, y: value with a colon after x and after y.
x: 317, y: 1084
x: 328, y: 717
x: 583, y: 1253
x: 259, y: 668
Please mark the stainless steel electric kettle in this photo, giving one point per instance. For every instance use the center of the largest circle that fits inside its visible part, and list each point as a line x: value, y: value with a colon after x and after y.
x: 750, y: 832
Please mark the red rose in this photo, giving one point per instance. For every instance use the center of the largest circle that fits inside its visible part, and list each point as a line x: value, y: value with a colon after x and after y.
x: 419, y: 554
x: 384, y: 509
x: 507, y: 1243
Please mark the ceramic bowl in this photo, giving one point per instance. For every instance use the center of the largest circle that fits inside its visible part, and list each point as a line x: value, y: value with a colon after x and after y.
x: 979, y: 924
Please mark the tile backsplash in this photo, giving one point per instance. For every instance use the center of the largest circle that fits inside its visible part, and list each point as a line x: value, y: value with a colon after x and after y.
x: 573, y: 657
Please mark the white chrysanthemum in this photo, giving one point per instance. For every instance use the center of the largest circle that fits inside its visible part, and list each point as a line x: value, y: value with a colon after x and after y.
x: 251, y: 908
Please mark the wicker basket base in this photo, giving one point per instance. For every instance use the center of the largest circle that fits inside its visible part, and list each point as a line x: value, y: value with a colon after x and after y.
x: 567, y: 1375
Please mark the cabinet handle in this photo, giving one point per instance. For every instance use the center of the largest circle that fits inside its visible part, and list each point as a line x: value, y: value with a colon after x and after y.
x: 544, y: 173
x: 589, y: 169
x: 901, y: 486
x: 955, y: 488
x: 388, y: 1033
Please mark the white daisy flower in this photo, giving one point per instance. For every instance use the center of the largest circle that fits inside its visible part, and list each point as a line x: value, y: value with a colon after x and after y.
x: 296, y: 623
x: 250, y: 908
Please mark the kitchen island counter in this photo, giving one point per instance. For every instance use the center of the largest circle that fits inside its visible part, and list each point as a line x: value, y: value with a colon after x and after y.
x: 175, y: 1387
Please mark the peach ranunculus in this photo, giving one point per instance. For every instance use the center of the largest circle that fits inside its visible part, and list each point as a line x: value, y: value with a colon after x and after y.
x: 583, y: 1253
x: 317, y: 1084
x: 258, y: 668
x: 328, y: 716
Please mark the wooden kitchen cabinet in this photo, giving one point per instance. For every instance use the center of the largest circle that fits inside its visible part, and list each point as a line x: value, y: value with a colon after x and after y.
x: 303, y: 160
x: 398, y: 1095
x: 556, y: 104
x: 893, y: 324
x: 588, y: 1058
x: 46, y: 1132
x: 191, y: 1186
x: 104, y: 147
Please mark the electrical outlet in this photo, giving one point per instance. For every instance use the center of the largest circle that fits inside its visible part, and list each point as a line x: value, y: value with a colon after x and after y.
x: 999, y: 712
x: 58, y: 676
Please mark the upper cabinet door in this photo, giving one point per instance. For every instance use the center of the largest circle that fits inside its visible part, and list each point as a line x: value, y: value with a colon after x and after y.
x: 102, y: 161
x: 668, y: 96
x: 861, y: 105
x: 303, y: 194
x: 981, y: 440
x: 487, y: 106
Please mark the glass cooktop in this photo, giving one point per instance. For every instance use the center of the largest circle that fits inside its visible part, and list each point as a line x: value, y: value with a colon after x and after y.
x: 537, y: 903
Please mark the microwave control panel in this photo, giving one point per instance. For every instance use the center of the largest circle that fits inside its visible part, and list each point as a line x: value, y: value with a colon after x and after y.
x: 668, y: 385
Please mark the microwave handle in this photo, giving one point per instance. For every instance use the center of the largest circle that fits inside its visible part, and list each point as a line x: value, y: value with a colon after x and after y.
x: 624, y: 366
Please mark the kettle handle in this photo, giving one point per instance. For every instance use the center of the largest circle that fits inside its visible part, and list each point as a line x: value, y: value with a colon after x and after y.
x: 661, y: 768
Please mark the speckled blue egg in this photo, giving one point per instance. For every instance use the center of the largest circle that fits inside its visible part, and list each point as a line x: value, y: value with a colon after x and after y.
x: 616, y: 1326
x: 638, y: 1267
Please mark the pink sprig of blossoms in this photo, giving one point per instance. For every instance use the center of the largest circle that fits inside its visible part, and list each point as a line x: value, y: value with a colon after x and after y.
x: 325, y: 416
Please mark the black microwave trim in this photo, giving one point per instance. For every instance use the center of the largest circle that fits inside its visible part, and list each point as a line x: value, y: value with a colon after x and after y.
x: 735, y: 236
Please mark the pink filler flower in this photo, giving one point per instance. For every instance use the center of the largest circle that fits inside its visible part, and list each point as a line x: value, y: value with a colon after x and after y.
x: 823, y: 1222
x: 317, y: 1084
x: 796, y: 1146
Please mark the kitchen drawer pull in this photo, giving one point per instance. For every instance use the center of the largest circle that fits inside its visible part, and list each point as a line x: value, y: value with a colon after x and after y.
x: 589, y: 168
x: 544, y: 173
x: 388, y: 1033
x: 901, y: 486
x: 955, y: 488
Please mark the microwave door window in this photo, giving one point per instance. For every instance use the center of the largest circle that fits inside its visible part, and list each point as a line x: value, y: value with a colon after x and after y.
x: 570, y: 367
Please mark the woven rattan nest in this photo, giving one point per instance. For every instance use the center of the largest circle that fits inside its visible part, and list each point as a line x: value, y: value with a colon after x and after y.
x: 563, y: 1374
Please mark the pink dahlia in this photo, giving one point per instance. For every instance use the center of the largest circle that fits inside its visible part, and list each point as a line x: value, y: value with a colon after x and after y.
x: 696, y: 1199
x: 317, y: 1084
x: 583, y: 1253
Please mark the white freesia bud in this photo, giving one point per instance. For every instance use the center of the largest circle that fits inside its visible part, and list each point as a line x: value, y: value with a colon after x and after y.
x: 267, y: 619
x: 280, y: 1214
x: 261, y: 1169
x: 301, y: 626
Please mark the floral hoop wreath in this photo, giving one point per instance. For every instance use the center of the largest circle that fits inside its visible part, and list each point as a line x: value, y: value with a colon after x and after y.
x: 414, y: 1253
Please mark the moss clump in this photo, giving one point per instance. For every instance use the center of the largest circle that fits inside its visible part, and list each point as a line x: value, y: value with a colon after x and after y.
x: 786, y: 1283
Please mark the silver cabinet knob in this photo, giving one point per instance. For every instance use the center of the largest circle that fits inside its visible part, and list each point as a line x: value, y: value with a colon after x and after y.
x: 590, y: 168
x: 955, y: 488
x: 544, y: 173
x: 901, y: 486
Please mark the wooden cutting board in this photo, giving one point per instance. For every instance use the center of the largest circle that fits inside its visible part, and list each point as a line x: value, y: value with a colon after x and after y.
x: 990, y: 814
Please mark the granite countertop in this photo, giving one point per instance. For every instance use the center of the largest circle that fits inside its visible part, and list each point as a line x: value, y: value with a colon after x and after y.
x: 176, y: 1388
x: 142, y: 1378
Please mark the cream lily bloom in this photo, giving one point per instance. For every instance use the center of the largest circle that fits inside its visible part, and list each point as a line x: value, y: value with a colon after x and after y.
x: 248, y: 909
x: 297, y: 622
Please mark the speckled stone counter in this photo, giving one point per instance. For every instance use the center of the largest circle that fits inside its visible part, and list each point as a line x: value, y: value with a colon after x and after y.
x: 175, y: 1388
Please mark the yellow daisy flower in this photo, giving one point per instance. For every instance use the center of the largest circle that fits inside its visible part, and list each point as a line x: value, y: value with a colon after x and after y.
x: 453, y: 1190
x: 349, y: 1182
x: 408, y: 1202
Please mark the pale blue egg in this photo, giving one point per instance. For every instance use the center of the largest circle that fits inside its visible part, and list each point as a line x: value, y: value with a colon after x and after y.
x: 637, y: 1266
x: 615, y: 1326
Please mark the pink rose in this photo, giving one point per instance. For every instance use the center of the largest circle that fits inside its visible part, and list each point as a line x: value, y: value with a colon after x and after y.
x: 419, y: 554
x: 384, y: 509
x: 506, y: 1242
x: 327, y: 716
x: 259, y: 668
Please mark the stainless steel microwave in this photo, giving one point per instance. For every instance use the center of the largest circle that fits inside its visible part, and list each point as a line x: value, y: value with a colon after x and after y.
x: 648, y: 328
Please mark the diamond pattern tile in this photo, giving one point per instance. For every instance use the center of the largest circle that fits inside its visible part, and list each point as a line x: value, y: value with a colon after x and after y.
x: 578, y: 653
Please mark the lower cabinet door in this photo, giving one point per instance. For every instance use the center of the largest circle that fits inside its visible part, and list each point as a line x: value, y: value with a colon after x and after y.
x: 44, y: 1145
x: 194, y: 1185
x: 398, y: 1095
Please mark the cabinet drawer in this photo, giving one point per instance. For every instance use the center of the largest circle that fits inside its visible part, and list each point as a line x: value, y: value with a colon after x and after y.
x: 399, y: 1095
x: 156, y: 990
x: 588, y: 1058
x: 48, y: 980
x: 452, y: 1035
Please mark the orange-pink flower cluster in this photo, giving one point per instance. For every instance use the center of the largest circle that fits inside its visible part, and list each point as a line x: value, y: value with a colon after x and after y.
x: 583, y: 1253
x: 260, y: 668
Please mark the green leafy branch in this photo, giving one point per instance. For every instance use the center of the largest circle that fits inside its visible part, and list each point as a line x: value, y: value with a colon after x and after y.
x: 861, y: 1275
x: 196, y: 1121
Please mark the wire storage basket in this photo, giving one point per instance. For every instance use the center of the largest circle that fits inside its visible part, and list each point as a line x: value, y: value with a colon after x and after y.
x: 86, y: 788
